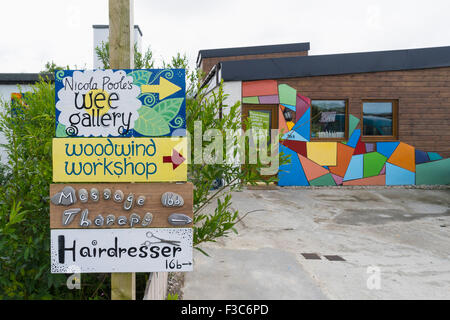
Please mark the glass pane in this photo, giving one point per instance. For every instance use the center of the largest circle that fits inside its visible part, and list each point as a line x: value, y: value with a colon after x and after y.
x: 377, y: 119
x: 327, y: 118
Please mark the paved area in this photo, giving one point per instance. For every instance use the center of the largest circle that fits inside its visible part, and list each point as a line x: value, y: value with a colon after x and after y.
x: 395, y: 243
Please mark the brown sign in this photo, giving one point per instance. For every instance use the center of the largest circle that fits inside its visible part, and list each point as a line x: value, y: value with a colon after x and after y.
x: 121, y: 205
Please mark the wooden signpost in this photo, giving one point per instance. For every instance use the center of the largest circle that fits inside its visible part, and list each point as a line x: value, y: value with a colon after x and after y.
x: 112, y: 138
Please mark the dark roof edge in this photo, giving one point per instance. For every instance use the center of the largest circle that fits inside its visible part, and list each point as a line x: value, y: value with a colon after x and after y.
x: 106, y: 26
x: 242, y: 51
x: 24, y: 78
x: 336, y: 64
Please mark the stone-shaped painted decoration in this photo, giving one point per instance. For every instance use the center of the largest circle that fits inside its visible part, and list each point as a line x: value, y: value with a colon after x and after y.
x: 110, y: 219
x: 99, y: 220
x: 122, y: 220
x: 68, y: 215
x: 373, y: 164
x: 179, y: 219
x: 140, y: 201
x: 397, y: 176
x: 84, y: 221
x: 83, y: 195
x: 107, y: 194
x: 134, y: 219
x: 65, y: 197
x: 128, y: 204
x: 355, y: 168
x: 148, y: 218
x: 291, y: 174
x: 118, y: 196
x: 435, y: 172
x: 172, y: 199
x: 95, y: 195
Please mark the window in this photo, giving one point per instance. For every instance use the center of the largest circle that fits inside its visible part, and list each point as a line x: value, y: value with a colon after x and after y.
x: 379, y: 118
x: 328, y: 119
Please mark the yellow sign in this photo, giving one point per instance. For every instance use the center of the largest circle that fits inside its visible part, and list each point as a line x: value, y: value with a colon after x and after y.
x: 119, y: 159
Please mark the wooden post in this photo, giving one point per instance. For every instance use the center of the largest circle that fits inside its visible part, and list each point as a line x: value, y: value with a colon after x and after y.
x: 121, y: 56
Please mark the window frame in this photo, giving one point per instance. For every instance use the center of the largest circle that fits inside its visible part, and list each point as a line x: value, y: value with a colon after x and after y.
x: 345, y: 137
x: 394, y: 136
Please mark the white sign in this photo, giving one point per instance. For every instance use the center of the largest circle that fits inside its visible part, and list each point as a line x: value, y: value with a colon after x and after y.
x: 121, y: 250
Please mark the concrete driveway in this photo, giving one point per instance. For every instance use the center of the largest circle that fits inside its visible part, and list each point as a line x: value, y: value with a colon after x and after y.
x: 395, y: 243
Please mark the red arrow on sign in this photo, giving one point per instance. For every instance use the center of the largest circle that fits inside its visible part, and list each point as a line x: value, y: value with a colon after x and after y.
x: 176, y: 159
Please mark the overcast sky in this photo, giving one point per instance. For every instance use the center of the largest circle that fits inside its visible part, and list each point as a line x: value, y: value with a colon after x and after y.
x: 34, y: 32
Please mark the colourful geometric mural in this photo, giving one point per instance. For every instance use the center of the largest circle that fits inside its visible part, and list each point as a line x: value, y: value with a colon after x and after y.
x: 351, y: 162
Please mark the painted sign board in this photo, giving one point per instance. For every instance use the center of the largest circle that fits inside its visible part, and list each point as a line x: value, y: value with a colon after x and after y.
x: 120, y: 103
x: 119, y: 159
x: 121, y: 250
x: 120, y: 205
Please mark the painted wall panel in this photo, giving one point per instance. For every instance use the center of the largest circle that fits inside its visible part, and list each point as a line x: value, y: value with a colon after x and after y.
x: 351, y: 162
